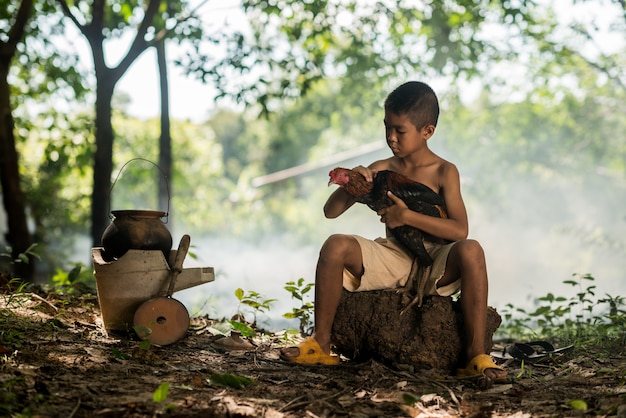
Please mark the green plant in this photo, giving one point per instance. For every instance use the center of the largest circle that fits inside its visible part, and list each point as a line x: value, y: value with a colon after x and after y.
x: 21, y: 257
x: 253, y: 300
x: 17, y: 288
x: 77, y: 278
x: 224, y: 328
x: 574, y: 319
x: 298, y: 290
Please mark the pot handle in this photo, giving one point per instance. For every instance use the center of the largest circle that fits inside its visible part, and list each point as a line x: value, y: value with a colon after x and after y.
x: 120, y: 172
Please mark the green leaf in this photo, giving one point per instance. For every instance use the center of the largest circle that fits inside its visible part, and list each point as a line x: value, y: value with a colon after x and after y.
x: 230, y: 380
x: 119, y: 355
x: 239, y: 293
x: 578, y: 404
x: 410, y: 399
x: 74, y: 273
x: 160, y: 394
x: 245, y: 330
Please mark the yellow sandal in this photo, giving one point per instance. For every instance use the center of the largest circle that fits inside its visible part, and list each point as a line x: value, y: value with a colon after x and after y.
x: 477, y: 366
x: 310, y: 352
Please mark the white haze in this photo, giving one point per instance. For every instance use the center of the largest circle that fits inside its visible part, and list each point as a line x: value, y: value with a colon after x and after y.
x: 539, y: 240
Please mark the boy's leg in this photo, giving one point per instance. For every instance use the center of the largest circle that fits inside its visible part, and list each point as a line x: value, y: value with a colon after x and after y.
x: 338, y: 252
x: 467, y: 261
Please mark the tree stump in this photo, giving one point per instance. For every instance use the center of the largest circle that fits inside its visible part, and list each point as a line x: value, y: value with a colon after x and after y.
x: 368, y: 325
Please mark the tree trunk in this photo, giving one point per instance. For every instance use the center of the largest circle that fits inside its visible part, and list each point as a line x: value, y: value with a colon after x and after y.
x: 18, y: 235
x: 103, y: 160
x: 165, y: 140
x: 369, y: 325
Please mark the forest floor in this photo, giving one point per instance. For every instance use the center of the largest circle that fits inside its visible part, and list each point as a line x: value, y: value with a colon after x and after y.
x: 57, y: 361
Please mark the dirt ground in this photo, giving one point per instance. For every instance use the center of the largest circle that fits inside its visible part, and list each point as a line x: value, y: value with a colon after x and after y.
x: 57, y: 361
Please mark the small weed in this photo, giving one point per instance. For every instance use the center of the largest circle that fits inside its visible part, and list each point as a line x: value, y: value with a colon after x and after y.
x: 75, y: 280
x: 253, y: 300
x: 21, y: 257
x: 298, y: 290
x: 576, y: 319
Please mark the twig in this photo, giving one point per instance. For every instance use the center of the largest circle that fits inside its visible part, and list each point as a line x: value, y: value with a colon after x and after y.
x: 290, y: 403
x: 36, y: 296
x: 75, y: 409
x: 300, y: 404
x: 451, y: 392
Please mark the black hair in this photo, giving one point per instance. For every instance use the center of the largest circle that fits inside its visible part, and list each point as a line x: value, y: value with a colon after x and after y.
x: 417, y: 100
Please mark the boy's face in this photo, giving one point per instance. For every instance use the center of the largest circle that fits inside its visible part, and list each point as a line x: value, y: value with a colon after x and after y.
x: 402, y: 136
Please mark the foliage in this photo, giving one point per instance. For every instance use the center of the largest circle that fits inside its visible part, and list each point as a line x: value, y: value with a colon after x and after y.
x: 43, y: 71
x: 287, y: 48
x: 22, y: 257
x: 56, y: 175
x: 578, y: 319
x: 298, y: 289
x: 78, y: 279
x: 253, y: 300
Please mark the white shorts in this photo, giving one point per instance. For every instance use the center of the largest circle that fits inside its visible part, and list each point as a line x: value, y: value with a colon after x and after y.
x: 387, y: 265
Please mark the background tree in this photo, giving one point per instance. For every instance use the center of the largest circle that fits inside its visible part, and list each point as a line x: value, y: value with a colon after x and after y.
x: 104, y: 21
x: 185, y: 29
x: 13, y: 197
x: 110, y: 21
x: 32, y: 70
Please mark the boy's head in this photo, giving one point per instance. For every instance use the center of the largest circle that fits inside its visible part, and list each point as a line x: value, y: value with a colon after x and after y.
x: 416, y: 100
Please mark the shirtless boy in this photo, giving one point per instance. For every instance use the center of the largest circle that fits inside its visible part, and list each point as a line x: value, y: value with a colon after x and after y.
x: 359, y: 264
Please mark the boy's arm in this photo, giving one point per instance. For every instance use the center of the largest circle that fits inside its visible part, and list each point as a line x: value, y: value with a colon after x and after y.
x: 454, y: 228
x: 338, y: 202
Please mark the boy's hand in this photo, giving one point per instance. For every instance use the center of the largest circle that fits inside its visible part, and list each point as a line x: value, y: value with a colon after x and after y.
x: 393, y: 215
x: 366, y: 172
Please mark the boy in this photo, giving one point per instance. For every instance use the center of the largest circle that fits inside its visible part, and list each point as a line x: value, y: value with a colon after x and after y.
x: 359, y: 264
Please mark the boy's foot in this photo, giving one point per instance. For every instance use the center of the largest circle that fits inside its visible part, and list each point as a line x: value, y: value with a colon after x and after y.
x: 308, y: 352
x: 483, y: 365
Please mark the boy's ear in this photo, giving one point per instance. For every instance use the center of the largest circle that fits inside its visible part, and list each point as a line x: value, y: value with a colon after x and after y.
x: 428, y: 131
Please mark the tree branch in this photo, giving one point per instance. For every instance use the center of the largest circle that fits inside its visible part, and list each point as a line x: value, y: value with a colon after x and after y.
x: 68, y: 13
x: 139, y: 43
x: 17, y: 30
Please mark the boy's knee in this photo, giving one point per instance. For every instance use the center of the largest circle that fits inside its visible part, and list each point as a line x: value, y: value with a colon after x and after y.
x: 471, y: 249
x: 336, y: 244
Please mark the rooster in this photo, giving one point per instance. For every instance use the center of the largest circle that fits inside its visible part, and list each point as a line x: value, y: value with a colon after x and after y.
x: 417, y: 196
